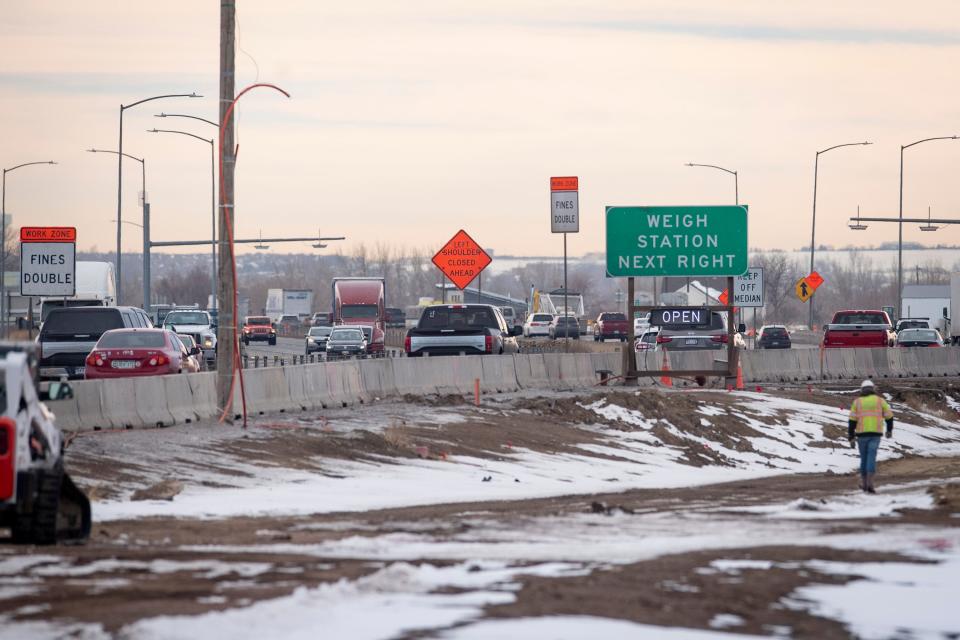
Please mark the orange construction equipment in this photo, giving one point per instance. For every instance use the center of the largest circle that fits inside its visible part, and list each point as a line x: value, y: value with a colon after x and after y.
x: 665, y: 380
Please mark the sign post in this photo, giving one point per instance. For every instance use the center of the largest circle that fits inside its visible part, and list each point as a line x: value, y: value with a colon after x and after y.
x: 565, y: 218
x: 461, y: 260
x: 679, y: 241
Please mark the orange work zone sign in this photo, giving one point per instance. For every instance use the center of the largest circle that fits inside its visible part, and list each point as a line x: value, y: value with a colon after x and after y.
x: 570, y: 183
x: 462, y: 259
x: 814, y: 280
x: 724, y: 297
x: 48, y: 234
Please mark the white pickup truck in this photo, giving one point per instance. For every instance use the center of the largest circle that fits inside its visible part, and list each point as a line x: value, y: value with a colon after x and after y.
x: 461, y: 329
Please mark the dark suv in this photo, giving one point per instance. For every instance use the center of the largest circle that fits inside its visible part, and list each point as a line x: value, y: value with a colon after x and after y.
x: 69, y: 334
x: 774, y: 337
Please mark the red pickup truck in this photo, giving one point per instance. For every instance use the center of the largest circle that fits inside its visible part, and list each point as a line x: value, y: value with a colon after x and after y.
x: 610, y: 325
x: 858, y: 329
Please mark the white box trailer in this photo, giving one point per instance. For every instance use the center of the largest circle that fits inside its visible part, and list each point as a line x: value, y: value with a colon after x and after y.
x: 954, y: 308
x: 286, y: 302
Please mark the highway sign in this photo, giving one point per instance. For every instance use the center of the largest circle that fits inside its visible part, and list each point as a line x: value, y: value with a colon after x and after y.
x: 748, y: 288
x: 461, y: 259
x: 676, y: 241
x: 724, y: 297
x: 48, y: 261
x: 565, y: 205
x: 803, y: 289
x: 814, y: 280
x: 686, y: 316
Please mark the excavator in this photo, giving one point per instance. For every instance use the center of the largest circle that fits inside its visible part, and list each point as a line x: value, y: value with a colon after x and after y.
x: 39, y: 502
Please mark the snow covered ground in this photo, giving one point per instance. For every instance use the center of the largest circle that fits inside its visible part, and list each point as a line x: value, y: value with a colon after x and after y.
x: 436, y: 579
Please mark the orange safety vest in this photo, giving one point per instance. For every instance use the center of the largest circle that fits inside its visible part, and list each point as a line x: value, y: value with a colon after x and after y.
x: 870, y: 412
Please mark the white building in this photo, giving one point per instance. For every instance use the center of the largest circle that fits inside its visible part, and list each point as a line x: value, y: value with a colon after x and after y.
x: 697, y: 295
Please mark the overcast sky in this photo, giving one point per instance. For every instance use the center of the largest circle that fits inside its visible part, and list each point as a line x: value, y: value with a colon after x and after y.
x: 410, y: 120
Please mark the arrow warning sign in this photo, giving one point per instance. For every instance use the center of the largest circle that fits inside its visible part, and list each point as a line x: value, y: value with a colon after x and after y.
x: 804, y: 290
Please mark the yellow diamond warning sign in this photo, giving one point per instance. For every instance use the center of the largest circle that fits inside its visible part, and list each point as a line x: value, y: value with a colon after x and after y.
x: 804, y: 290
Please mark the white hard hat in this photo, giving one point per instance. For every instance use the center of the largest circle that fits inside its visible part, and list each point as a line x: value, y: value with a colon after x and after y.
x: 867, y: 384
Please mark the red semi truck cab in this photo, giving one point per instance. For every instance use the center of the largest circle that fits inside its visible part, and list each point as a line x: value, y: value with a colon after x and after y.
x: 860, y: 328
x: 362, y: 301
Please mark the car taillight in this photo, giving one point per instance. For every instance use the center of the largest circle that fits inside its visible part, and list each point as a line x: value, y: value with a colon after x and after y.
x: 724, y: 339
x: 95, y: 360
x: 159, y: 360
x: 663, y: 339
x: 488, y: 344
x: 406, y: 344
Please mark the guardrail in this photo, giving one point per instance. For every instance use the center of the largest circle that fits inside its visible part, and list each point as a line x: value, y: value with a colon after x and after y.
x: 167, y: 400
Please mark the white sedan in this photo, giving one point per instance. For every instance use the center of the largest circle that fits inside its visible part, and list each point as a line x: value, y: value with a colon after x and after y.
x: 537, y: 324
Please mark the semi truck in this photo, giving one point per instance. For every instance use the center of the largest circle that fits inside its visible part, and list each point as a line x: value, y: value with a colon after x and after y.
x: 289, y: 302
x: 362, y: 301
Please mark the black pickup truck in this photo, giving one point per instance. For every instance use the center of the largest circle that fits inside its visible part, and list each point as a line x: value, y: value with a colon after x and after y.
x: 461, y: 329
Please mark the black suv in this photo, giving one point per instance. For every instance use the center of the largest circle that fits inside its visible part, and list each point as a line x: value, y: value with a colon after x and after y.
x: 69, y: 334
x: 773, y: 337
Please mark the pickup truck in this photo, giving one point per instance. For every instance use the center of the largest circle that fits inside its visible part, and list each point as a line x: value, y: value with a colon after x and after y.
x: 858, y: 329
x: 455, y: 329
x: 611, y: 325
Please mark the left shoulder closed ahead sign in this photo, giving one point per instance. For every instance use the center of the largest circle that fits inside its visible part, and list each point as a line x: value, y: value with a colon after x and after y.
x: 48, y: 263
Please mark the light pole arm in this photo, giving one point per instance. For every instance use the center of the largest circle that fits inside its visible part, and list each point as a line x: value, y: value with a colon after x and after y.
x: 846, y: 144
x: 712, y: 166
x: 169, y: 95
x: 183, y: 115
x: 907, y: 146
x: 27, y: 164
x: 183, y: 133
x: 117, y: 153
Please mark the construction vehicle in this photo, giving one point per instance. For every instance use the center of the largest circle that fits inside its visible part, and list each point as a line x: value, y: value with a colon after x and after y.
x: 39, y: 502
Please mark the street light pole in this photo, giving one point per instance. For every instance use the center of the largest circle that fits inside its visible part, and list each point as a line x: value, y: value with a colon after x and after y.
x: 145, y: 225
x: 3, y: 241
x: 213, y: 206
x: 900, y: 225
x: 736, y: 185
x: 813, y: 224
x: 120, y: 179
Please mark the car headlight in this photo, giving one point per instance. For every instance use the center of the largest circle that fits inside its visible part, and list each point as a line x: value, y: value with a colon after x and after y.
x: 208, y: 342
x: 309, y: 339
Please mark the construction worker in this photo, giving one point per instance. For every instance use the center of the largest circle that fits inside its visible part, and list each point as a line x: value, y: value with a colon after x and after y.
x: 865, y: 428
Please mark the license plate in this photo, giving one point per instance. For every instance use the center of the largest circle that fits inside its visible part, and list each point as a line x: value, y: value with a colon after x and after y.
x: 346, y: 353
x: 124, y: 364
x: 692, y: 341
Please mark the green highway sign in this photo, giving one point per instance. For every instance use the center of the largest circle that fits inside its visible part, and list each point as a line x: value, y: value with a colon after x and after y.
x: 676, y: 241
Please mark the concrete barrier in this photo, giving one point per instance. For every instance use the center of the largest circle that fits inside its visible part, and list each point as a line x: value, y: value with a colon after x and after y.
x: 89, y: 405
x: 119, y: 403
x: 266, y: 391
x: 808, y: 363
x: 150, y: 395
x: 531, y: 370
x: 499, y: 374
x: 66, y: 413
x: 881, y: 363
x: 295, y: 378
x: 378, y: 378
x: 410, y: 377
x: 203, y: 387
x: 863, y: 361
x: 179, y: 398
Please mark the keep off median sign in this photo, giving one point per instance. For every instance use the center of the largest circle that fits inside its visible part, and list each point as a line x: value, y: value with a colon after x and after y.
x: 48, y: 261
x: 565, y: 205
x: 462, y: 259
x: 748, y: 288
x: 676, y: 241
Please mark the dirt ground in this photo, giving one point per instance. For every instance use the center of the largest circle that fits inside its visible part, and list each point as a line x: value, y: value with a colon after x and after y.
x: 114, y: 580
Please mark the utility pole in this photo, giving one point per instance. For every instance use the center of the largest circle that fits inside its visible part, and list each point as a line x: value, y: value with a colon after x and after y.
x: 227, y: 327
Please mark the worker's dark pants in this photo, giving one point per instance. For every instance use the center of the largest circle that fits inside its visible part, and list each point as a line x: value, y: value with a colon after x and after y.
x: 869, y: 445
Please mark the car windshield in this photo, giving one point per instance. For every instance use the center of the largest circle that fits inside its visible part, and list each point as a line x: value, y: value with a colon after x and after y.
x: 775, y: 332
x: 458, y: 318
x: 542, y: 317
x: 919, y: 335
x: 258, y: 320
x: 859, y: 318
x: 914, y: 324
x: 132, y: 340
x: 82, y: 323
x: 346, y: 335
x: 187, y: 340
x: 359, y: 311
x: 187, y: 317
x: 616, y: 317
x: 566, y: 320
x: 320, y: 331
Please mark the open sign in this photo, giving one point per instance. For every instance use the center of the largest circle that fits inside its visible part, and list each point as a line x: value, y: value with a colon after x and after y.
x: 687, y: 316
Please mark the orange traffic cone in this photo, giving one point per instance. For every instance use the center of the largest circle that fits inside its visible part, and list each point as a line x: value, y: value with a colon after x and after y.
x: 665, y: 380
x: 739, y: 376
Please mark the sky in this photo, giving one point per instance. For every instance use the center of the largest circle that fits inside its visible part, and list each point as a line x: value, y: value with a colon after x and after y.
x: 408, y: 121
